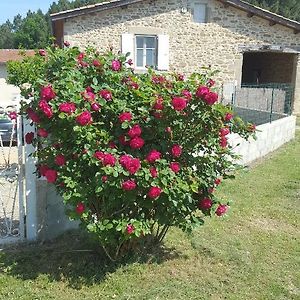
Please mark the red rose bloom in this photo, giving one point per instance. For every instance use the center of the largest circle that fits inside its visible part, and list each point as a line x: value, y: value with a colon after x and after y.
x: 228, y: 117
x: 125, y: 116
x: 95, y: 106
x: 136, y: 143
x: 153, y: 172
x: 132, y: 165
x: 33, y: 116
x: 224, y: 131
x: 67, y: 107
x: 42, y: 132
x: 47, y: 93
x: 134, y: 131
x: 104, y: 178
x: 51, y: 175
x: 179, y: 103
x: 202, y: 91
x: 154, y: 192
x: 153, y: 156
x: 60, y: 160
x: 130, y: 229
x: 42, y: 52
x: 96, y: 63
x: 84, y: 118
x: 176, y: 150
x: 88, y: 95
x: 108, y: 160
x: 217, y: 181
x: 29, y: 136
x: 221, y: 210
x: 158, y: 105
x: 205, y: 203
x: 128, y: 185
x: 187, y: 94
x: 223, y: 142
x: 43, y: 169
x: 99, y: 155
x: 80, y: 208
x: 175, y: 167
x: 106, y: 94
x: 116, y: 65
x: 80, y: 56
x: 46, y: 108
x: 211, y: 98
x: 12, y: 115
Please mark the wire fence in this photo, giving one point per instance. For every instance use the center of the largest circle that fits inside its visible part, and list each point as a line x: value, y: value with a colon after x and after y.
x: 259, y: 103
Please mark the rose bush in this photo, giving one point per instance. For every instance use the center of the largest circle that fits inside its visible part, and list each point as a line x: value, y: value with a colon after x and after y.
x: 131, y: 154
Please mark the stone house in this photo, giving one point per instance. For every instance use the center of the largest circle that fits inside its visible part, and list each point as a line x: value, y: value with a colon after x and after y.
x: 9, y: 93
x: 247, y: 44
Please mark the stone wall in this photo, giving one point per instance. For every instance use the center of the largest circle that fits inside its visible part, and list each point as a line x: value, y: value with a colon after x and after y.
x: 217, y: 44
x: 270, y: 137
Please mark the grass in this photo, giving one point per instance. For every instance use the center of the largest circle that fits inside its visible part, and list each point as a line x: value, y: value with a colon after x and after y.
x: 253, y: 253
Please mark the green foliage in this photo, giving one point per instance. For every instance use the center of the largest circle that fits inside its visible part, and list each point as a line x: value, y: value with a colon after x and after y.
x: 131, y: 154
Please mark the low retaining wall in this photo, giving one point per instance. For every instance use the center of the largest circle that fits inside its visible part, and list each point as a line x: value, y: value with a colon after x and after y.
x: 51, y: 217
x: 270, y: 137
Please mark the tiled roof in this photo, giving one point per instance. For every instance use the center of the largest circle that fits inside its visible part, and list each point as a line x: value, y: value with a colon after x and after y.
x: 14, y: 54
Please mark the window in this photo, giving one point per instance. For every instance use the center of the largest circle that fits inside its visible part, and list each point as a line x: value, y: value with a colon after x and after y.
x: 200, y: 13
x: 145, y: 51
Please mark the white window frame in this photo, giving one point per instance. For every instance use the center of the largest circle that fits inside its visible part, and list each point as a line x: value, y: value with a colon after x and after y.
x: 199, y: 4
x: 145, y: 50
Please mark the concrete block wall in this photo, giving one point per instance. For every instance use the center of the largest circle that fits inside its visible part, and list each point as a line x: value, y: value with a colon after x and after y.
x: 270, y: 137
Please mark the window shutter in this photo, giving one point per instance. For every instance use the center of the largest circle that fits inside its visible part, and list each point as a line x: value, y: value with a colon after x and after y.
x: 163, y: 52
x: 128, y: 44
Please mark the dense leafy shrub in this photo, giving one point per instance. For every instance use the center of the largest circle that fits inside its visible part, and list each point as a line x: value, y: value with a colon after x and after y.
x: 131, y: 154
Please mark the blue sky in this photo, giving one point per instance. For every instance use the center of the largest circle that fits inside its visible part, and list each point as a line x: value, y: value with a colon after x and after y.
x: 10, y: 8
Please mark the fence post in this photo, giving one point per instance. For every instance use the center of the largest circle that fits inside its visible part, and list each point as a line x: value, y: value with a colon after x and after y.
x: 271, y: 110
x: 30, y: 186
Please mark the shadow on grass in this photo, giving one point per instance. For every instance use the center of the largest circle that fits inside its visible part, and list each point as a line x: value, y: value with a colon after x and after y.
x: 73, y: 258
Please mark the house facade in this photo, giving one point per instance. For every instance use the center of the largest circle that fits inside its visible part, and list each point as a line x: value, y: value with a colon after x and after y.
x: 247, y: 44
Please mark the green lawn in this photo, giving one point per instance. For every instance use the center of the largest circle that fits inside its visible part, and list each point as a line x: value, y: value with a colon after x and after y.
x: 253, y: 253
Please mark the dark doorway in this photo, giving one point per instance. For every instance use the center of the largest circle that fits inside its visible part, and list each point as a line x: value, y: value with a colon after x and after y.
x: 267, y: 67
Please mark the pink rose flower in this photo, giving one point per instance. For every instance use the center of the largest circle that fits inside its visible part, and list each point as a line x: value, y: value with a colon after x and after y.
x: 132, y: 165
x: 128, y: 185
x: 153, y: 156
x: 175, y: 167
x: 106, y: 94
x: 202, y: 91
x: 136, y: 143
x: 51, y: 175
x: 80, y: 208
x: 46, y: 108
x: 134, y: 131
x: 221, y: 210
x: 29, y: 136
x: 80, y: 56
x: 47, y: 93
x: 60, y: 160
x: 104, y: 178
x: 99, y: 155
x: 108, y: 160
x: 116, y: 65
x: 153, y: 172
x: 176, y: 150
x: 84, y: 118
x: 130, y: 229
x: 42, y: 132
x: 33, y: 116
x: 67, y: 107
x: 88, y: 96
x: 158, y: 105
x: 205, y: 203
x: 228, y: 117
x: 96, y: 63
x: 179, y: 103
x: 154, y: 192
x: 217, y: 181
x: 125, y: 116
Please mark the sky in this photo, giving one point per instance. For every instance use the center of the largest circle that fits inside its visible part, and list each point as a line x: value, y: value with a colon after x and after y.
x: 10, y: 8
